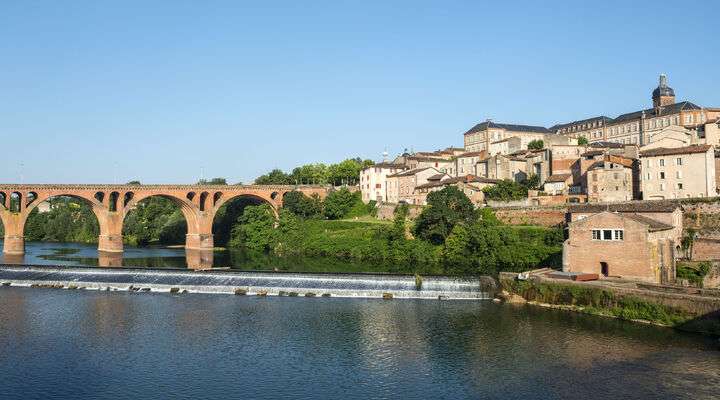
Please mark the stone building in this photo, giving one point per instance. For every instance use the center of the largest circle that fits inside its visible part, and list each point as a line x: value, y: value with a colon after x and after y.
x: 480, y: 136
x: 373, y: 180
x: 466, y: 163
x: 446, y: 165
x: 672, y: 173
x: 401, y: 186
x: 638, y: 127
x: 610, y: 179
x: 471, y: 185
x: 621, y: 245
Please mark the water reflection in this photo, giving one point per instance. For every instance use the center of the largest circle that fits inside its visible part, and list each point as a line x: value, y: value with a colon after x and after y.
x: 80, y: 254
x: 74, y: 344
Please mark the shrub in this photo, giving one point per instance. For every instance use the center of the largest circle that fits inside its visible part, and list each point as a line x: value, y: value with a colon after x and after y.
x: 339, y: 203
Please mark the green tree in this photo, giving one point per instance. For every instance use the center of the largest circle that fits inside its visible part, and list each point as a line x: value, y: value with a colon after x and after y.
x: 582, y: 141
x: 445, y: 209
x: 532, y: 182
x: 213, y: 181
x: 506, y: 190
x: 536, y: 144
x: 274, y: 177
x: 255, y: 229
x: 301, y: 205
x: 338, y: 203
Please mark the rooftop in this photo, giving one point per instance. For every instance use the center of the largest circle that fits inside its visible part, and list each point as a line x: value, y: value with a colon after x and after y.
x: 646, y: 206
x: 509, y: 127
x: 696, y: 148
x: 558, y: 178
x: 409, y: 172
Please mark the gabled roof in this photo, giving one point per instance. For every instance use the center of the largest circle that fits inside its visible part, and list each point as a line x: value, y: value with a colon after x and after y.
x: 609, y: 145
x: 409, y: 172
x: 662, y: 151
x: 465, y: 179
x: 558, y: 178
x: 430, y: 159
x: 633, y: 207
x: 436, y: 177
x: 653, y: 225
x: 387, y: 165
x: 509, y: 127
x: 664, y: 110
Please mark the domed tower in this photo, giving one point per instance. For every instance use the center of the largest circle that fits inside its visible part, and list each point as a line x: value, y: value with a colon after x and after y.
x: 663, y: 95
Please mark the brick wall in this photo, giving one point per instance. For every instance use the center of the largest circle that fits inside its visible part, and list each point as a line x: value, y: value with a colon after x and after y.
x: 706, y: 249
x: 532, y: 216
x: 386, y: 211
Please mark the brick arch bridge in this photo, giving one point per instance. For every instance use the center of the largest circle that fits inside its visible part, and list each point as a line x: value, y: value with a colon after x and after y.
x: 111, y: 203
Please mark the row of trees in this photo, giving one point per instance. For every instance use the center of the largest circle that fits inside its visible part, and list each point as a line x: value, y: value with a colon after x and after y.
x: 346, y: 172
x: 449, y: 233
x: 508, y: 189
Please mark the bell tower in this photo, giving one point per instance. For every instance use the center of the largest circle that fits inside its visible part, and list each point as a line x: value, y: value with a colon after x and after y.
x: 663, y: 95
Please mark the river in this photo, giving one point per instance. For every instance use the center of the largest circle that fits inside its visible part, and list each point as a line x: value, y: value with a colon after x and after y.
x: 62, y: 344
x: 65, y: 344
x: 81, y: 254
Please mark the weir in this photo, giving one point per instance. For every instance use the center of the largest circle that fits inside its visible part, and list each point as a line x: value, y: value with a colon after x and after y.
x: 266, y: 283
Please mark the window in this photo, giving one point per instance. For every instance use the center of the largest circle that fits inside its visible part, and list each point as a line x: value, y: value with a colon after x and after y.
x: 615, y: 175
x: 662, y: 162
x: 679, y: 186
x: 618, y: 234
x: 678, y: 174
x: 608, y: 234
x: 649, y: 176
x: 662, y: 186
x: 678, y: 161
x: 662, y: 175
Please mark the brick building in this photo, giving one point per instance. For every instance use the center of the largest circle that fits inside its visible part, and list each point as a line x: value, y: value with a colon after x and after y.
x: 621, y: 245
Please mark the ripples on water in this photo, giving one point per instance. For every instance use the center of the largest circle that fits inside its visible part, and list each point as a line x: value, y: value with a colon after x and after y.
x: 62, y: 344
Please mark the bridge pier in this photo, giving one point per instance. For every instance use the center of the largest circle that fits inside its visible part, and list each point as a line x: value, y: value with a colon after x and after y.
x: 110, y: 243
x: 14, y: 244
x: 199, y: 241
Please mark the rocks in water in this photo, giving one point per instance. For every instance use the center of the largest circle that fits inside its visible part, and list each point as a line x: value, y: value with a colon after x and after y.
x: 326, y: 295
x: 282, y: 293
x: 240, y: 292
x: 511, y: 298
x: 262, y: 293
x: 310, y: 294
x: 6, y: 283
x: 387, y: 296
x: 184, y: 291
x: 72, y: 287
x: 145, y: 289
x: 293, y: 294
x: 174, y: 290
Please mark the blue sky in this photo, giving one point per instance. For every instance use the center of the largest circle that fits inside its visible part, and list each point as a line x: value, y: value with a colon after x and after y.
x: 161, y: 91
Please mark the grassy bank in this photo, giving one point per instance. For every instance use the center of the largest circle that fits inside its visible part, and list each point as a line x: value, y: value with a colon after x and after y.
x: 598, y: 301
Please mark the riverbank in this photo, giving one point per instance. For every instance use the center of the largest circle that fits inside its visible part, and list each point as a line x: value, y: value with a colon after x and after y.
x: 687, y: 312
x: 249, y: 283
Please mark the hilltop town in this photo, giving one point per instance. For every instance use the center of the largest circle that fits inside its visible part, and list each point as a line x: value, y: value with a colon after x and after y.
x: 619, y: 183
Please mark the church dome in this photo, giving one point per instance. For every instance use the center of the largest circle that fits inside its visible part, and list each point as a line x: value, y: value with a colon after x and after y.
x: 663, y: 89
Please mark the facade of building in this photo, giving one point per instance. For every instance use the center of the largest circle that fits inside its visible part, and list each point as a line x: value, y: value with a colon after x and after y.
x: 638, y: 127
x: 401, y: 186
x: 466, y: 163
x: 471, y: 185
x: 373, y: 181
x: 480, y: 136
x: 621, y: 245
x: 610, y: 179
x: 673, y: 173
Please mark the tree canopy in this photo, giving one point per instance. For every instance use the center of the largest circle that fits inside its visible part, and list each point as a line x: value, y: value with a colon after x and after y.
x: 536, y: 144
x: 445, y: 209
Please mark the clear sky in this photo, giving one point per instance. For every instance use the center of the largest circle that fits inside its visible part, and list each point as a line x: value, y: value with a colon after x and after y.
x: 159, y: 91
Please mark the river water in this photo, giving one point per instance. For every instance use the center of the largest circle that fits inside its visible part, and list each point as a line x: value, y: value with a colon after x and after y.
x: 66, y: 344
x: 80, y: 254
x: 62, y: 344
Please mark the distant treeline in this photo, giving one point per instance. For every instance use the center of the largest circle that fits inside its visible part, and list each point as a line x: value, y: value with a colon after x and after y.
x: 346, y: 172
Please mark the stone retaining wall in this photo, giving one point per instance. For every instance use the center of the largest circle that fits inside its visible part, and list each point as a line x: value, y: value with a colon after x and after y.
x: 548, y: 217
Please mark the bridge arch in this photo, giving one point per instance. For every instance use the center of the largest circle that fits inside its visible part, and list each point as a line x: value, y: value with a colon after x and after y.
x: 228, y: 208
x: 186, y: 207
